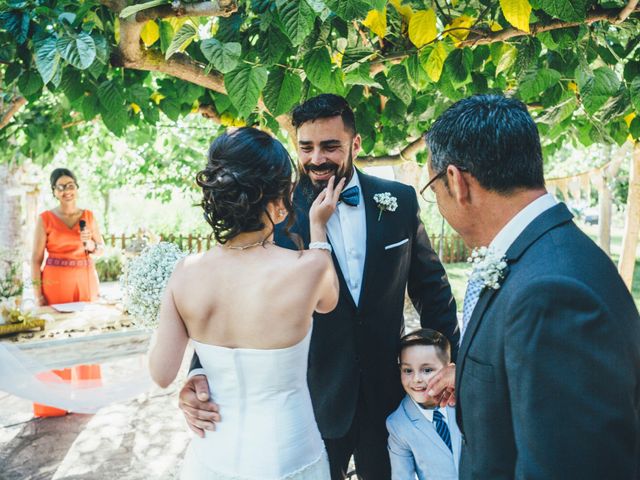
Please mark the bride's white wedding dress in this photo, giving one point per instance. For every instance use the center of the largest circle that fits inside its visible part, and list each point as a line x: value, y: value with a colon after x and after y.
x: 268, y: 430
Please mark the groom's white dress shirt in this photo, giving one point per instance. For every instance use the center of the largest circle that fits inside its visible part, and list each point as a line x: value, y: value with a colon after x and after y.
x: 347, y: 232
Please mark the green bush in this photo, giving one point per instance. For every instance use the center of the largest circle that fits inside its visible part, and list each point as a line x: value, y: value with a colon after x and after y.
x: 110, y: 265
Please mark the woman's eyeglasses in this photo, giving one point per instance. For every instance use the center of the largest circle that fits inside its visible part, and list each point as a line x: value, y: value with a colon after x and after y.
x: 67, y: 186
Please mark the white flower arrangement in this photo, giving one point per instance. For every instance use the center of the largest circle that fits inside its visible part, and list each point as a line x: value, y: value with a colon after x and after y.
x: 11, y: 285
x: 487, y: 266
x: 386, y: 203
x: 145, y: 278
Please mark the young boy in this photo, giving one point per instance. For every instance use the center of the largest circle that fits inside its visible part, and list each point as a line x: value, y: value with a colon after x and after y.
x: 424, y: 440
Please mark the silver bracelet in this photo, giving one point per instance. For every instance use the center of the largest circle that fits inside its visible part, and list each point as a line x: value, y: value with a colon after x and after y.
x: 321, y: 246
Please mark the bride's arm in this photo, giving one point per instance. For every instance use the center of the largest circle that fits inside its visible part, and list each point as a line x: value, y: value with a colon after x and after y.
x: 171, y: 339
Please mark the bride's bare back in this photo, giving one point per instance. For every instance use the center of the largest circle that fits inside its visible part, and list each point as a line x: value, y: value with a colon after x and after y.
x: 262, y: 297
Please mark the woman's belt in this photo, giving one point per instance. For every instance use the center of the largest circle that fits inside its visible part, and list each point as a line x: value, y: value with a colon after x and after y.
x: 66, y: 262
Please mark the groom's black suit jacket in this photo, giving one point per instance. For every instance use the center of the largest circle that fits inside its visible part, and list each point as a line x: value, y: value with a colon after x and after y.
x: 355, y: 348
x: 548, y: 373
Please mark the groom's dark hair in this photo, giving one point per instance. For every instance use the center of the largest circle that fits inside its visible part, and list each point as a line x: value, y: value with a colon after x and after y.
x: 493, y: 138
x: 326, y: 105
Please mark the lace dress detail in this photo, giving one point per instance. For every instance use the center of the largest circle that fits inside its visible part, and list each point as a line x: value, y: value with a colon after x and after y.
x: 268, y: 430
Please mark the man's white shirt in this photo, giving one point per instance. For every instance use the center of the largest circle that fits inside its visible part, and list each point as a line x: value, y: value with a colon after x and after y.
x: 512, y: 230
x: 347, y: 232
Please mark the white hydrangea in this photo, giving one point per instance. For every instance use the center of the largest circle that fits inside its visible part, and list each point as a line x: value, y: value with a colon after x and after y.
x: 145, y: 278
x: 487, y: 266
x: 386, y: 202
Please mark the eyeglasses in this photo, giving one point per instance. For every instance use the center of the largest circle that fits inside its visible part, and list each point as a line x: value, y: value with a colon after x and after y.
x: 424, y: 192
x: 67, y: 186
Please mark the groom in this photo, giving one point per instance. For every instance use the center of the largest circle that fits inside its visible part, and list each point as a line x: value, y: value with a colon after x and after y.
x: 548, y: 373
x: 379, y: 251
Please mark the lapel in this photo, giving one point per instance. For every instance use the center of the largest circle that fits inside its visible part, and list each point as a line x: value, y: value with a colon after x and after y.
x: 546, y: 221
x: 374, y: 233
x: 421, y: 423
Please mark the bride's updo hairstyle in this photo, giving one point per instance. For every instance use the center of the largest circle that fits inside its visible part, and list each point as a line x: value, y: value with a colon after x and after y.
x: 246, y: 170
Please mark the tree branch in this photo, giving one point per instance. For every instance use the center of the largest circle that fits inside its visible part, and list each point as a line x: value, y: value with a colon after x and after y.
x: 14, y: 106
x: 219, y: 8
x: 612, y: 16
x: 408, y: 153
x: 626, y: 11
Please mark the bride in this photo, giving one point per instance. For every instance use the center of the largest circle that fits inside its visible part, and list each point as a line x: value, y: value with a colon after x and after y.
x: 247, y: 305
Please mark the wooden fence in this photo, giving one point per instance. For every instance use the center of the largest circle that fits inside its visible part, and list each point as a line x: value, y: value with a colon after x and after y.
x: 453, y: 248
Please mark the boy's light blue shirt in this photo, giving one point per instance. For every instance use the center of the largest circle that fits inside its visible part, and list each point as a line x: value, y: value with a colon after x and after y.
x: 416, y: 449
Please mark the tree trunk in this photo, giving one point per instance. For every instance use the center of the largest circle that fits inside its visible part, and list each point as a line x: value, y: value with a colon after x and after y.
x: 632, y: 221
x: 106, y: 205
x: 604, y: 214
x: 11, y: 209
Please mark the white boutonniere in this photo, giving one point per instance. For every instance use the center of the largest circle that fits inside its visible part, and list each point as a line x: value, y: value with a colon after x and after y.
x: 488, y: 267
x: 385, y: 202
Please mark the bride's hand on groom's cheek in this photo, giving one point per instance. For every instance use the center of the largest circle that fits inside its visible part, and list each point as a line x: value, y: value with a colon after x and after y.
x: 200, y: 413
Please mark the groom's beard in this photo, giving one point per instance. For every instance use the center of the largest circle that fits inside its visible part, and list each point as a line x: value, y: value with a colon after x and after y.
x: 312, y: 189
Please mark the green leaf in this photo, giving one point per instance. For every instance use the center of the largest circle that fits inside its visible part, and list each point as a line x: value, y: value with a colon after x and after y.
x: 110, y: 95
x: 596, y: 91
x: 29, y: 83
x: 317, y: 66
x: 537, y: 82
x: 182, y: 39
x: 102, y: 48
x: 90, y: 106
x: 79, y: 50
x: 224, y: 56
x: 567, y: 10
x: 72, y: 85
x: 634, y: 128
x: 458, y: 66
x: 47, y: 59
x: 282, y: 91
x: 297, y: 19
x: 435, y: 62
x: 12, y: 72
x: 166, y: 35
x: 354, y: 57
x: 634, y: 90
x: 274, y: 46
x: 244, y: 86
x: 399, y: 83
x: 17, y: 24
x: 418, y: 78
x: 171, y: 108
x: 503, y: 56
x: 116, y: 120
x: 128, y: 11
x: 349, y: 9
x: 361, y: 76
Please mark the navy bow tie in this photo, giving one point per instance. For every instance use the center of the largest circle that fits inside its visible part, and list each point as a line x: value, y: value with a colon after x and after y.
x: 351, y: 196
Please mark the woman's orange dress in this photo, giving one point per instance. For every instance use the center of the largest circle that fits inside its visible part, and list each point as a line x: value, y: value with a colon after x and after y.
x: 69, y: 274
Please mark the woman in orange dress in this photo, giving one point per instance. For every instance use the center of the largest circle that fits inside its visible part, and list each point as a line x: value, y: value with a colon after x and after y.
x: 71, y: 237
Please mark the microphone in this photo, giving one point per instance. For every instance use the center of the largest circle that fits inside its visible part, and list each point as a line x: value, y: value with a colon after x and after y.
x: 83, y: 225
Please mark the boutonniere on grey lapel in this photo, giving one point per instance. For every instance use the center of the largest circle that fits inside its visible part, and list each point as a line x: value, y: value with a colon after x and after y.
x: 488, y: 268
x: 385, y: 202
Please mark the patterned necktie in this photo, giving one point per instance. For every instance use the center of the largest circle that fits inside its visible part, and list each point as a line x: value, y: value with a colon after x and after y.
x: 474, y: 287
x: 351, y: 196
x: 442, y: 428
